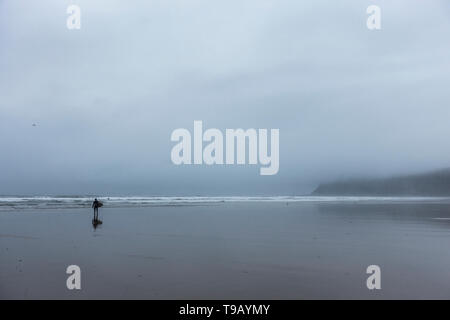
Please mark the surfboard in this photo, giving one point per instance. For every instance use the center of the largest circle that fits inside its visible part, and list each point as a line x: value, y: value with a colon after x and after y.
x: 99, y: 205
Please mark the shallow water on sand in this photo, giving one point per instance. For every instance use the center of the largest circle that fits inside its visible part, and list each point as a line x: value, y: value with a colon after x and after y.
x: 236, y: 250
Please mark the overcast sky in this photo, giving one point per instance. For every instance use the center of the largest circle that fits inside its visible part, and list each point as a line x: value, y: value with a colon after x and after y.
x: 105, y: 99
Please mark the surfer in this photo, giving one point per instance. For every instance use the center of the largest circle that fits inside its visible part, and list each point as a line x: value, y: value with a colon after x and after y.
x: 96, y: 205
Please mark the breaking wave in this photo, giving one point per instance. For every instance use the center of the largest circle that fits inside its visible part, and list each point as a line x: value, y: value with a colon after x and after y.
x: 62, y: 202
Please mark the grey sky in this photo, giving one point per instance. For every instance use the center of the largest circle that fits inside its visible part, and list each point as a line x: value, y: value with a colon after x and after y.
x: 348, y: 101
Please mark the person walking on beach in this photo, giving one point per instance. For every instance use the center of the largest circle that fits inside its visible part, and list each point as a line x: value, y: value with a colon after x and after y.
x: 96, y: 205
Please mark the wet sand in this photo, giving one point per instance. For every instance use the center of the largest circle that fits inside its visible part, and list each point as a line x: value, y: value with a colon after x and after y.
x: 229, y: 251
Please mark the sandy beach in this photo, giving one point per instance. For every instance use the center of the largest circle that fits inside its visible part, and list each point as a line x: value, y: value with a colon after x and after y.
x: 241, y: 250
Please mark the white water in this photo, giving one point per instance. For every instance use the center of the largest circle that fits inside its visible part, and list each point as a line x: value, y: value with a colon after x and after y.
x: 61, y: 202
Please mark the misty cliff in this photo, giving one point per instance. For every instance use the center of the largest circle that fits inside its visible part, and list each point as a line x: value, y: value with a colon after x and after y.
x: 435, y: 183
